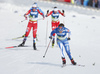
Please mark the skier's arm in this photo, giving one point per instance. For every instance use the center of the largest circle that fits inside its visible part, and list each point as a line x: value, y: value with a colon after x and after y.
x: 49, y: 14
x: 69, y: 33
x: 54, y: 31
x: 27, y: 12
x: 40, y: 13
x: 41, y: 10
x: 25, y: 15
x: 61, y: 13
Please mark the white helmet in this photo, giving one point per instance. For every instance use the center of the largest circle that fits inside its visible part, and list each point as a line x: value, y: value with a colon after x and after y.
x: 34, y: 5
x: 55, y: 9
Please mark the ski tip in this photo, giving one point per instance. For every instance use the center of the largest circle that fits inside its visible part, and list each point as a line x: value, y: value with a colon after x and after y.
x: 10, y: 47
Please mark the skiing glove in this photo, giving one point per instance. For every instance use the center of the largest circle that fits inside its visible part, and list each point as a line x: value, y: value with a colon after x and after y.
x: 50, y: 37
x: 63, y: 11
x: 47, y: 11
x: 25, y: 16
x: 43, y: 17
x: 68, y: 38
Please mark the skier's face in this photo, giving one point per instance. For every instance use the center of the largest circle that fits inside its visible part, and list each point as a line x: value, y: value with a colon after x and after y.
x: 34, y: 8
x: 60, y: 29
x: 55, y: 12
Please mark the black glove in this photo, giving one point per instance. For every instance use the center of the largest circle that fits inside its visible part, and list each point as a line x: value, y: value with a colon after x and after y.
x: 50, y: 37
x: 47, y: 11
x: 68, y: 38
x: 63, y: 11
x: 25, y: 16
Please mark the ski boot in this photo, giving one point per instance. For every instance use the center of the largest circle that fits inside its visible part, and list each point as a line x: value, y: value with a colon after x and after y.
x: 34, y: 46
x: 63, y: 61
x: 22, y: 44
x: 73, y: 62
x: 53, y: 42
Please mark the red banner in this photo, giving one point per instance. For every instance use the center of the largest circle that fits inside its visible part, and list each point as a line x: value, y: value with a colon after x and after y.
x: 65, y: 0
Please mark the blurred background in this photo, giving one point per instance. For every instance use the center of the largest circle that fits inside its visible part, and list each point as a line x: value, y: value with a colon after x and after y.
x: 84, y: 3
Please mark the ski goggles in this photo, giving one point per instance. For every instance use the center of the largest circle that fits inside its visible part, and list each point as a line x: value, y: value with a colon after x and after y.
x: 60, y: 28
x: 34, y: 7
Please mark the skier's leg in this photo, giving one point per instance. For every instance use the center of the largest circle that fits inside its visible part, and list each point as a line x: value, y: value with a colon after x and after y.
x: 26, y: 34
x: 27, y: 31
x: 57, y: 24
x: 34, y: 35
x: 62, y: 54
x: 53, y: 27
x: 67, y: 49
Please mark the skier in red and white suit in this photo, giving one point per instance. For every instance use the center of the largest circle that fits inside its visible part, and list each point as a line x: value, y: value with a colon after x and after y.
x: 55, y: 20
x: 33, y: 20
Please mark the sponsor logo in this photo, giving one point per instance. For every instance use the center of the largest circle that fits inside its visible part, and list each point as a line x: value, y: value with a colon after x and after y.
x: 55, y: 14
x: 61, y: 33
x: 33, y: 12
x: 35, y: 30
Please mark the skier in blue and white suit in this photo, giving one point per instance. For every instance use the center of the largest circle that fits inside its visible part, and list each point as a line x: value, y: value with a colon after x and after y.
x: 63, y: 35
x: 37, y: 7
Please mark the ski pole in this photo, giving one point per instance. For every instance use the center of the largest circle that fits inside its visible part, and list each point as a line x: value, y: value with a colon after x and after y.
x: 47, y: 48
x: 46, y: 32
x: 64, y: 16
x: 47, y: 28
x: 23, y: 20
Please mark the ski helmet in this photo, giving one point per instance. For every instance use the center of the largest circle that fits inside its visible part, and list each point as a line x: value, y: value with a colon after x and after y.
x: 61, y: 24
x: 55, y: 9
x: 34, y: 6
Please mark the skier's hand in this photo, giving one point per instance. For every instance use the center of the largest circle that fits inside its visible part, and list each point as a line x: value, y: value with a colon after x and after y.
x: 63, y: 11
x: 43, y: 17
x: 47, y: 11
x: 50, y: 37
x: 46, y: 15
x: 25, y: 16
x: 68, y: 38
